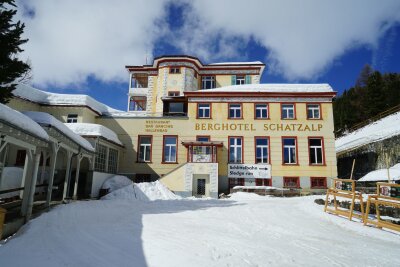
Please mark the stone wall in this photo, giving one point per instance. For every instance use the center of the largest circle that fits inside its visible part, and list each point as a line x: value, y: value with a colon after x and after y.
x: 369, y: 157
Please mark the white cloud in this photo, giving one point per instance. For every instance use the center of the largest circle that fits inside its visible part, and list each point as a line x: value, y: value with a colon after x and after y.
x: 303, y: 37
x: 72, y: 39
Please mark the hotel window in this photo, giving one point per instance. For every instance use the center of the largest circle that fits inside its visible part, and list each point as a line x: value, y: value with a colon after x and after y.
x: 261, y: 111
x: 236, y: 182
x: 235, y: 111
x: 204, y: 111
x: 263, y: 182
x: 173, y: 93
x: 291, y: 182
x: 169, y: 155
x: 316, y: 151
x: 289, y: 150
x: 203, y: 138
x: 145, y: 148
x: 240, y: 79
x: 137, y: 103
x: 235, y: 149
x: 112, y: 160
x: 72, y: 118
x: 261, y: 149
x: 313, y: 111
x: 100, y: 159
x: 207, y: 82
x: 174, y: 70
x: 287, y: 111
x: 318, y: 182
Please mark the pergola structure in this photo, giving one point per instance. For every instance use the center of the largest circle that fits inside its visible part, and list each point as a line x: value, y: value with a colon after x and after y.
x: 18, y: 130
x: 204, y: 152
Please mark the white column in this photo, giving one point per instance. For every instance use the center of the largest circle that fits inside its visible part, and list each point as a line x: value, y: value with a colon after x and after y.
x: 27, y: 171
x: 78, y: 165
x: 53, y: 160
x: 3, y: 154
x: 67, y: 176
x: 41, y: 180
x: 30, y: 186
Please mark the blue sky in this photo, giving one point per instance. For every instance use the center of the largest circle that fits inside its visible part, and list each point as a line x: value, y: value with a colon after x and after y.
x: 88, y: 55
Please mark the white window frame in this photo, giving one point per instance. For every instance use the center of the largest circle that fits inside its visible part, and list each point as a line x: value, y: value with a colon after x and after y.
x: 314, y: 108
x: 236, y: 110
x: 72, y: 118
x: 168, y: 158
x: 235, y: 148
x: 112, y: 160
x: 201, y: 111
x: 286, y: 108
x: 314, y: 148
x: 174, y: 70
x: 145, y: 147
x: 262, y: 147
x: 291, y: 150
x: 262, y: 107
x: 240, y: 79
x: 205, y: 79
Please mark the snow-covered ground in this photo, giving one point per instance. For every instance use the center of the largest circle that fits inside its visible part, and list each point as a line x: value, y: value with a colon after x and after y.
x: 379, y: 130
x: 245, y: 230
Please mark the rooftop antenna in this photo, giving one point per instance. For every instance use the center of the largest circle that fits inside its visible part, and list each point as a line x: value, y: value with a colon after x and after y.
x: 147, y: 56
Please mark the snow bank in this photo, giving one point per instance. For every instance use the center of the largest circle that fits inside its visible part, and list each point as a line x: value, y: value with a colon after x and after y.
x: 275, y: 88
x: 142, y: 191
x: 91, y: 129
x: 379, y: 130
x: 246, y: 196
x: 382, y: 175
x: 116, y: 182
x: 156, y: 190
x: 48, y: 120
x: 19, y: 120
x: 29, y: 93
x: 265, y: 187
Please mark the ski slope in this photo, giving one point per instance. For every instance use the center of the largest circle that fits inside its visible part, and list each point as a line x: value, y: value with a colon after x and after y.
x: 248, y: 230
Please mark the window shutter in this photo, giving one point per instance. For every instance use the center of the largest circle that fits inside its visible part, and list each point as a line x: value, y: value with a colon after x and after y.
x: 248, y: 79
x: 233, y: 80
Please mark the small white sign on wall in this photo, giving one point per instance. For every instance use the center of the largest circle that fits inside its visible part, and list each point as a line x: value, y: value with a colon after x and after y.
x: 249, y: 171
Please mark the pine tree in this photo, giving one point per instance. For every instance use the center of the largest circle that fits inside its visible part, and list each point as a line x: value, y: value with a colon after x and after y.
x: 11, y: 68
x: 375, y: 99
x: 362, y: 79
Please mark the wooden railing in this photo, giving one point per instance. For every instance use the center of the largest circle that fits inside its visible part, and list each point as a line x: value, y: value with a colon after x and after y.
x: 345, y: 188
x: 387, y: 194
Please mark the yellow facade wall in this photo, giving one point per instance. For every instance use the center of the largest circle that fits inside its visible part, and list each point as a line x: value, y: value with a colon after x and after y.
x: 187, y: 129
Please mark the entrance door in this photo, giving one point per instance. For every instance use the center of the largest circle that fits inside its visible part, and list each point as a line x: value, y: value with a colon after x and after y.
x: 201, y: 187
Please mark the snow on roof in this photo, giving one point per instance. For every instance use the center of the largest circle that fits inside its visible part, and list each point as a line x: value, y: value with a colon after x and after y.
x: 91, y: 129
x: 21, y: 121
x: 382, y: 174
x: 29, y: 93
x: 275, y: 88
x: 238, y: 63
x: 46, y: 119
x: 379, y: 130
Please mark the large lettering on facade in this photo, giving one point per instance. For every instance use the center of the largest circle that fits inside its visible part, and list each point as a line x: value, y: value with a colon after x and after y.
x: 158, y: 126
x: 292, y: 127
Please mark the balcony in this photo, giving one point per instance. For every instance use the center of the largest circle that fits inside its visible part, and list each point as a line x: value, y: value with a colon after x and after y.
x: 138, y: 91
x: 139, y: 85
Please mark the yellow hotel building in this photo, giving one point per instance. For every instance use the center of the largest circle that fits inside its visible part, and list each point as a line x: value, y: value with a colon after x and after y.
x: 203, y: 129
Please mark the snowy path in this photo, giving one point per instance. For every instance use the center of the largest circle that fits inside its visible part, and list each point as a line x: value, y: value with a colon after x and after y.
x: 256, y: 232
